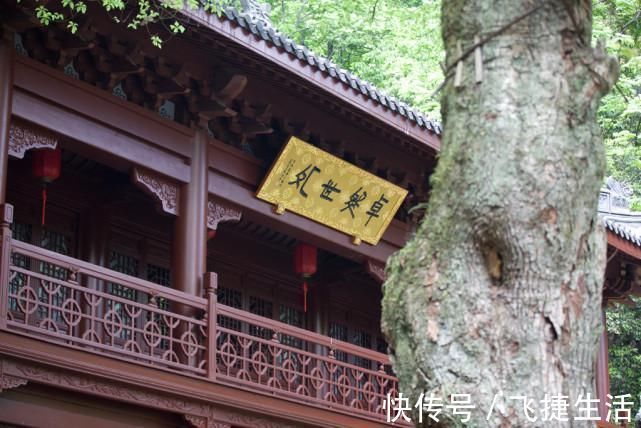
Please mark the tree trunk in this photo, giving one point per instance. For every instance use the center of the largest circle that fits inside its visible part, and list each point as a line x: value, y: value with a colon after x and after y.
x: 498, y: 295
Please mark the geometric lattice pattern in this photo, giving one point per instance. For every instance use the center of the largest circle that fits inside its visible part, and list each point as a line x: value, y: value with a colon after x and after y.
x: 90, y: 315
x: 310, y: 370
x: 80, y: 305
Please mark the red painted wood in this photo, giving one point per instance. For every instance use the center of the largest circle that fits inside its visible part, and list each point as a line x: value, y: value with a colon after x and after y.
x: 602, y: 370
x: 263, y: 354
x: 623, y: 245
x: 119, y: 149
x: 6, y: 94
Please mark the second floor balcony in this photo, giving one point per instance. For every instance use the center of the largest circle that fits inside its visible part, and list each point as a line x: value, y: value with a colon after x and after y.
x: 72, y: 303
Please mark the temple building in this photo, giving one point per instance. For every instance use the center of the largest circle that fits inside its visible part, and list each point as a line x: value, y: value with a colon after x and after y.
x: 195, y: 236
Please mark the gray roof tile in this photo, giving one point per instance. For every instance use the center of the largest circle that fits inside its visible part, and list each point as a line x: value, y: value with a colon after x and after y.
x: 620, y: 230
x: 263, y: 29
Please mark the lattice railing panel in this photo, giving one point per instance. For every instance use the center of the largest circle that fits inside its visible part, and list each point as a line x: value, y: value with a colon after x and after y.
x: 310, y: 371
x: 72, y: 303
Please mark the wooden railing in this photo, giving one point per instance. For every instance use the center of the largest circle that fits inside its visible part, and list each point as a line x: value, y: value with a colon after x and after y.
x: 256, y: 352
x: 64, y: 300
x: 73, y: 303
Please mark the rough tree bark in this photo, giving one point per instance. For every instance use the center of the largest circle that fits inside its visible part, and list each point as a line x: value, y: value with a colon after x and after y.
x: 498, y: 294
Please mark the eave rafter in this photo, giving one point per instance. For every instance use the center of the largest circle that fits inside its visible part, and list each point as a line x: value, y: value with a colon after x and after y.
x: 214, y: 94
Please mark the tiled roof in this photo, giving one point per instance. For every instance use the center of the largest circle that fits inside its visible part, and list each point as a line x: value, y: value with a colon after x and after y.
x: 614, y: 211
x: 261, y: 27
x: 621, y: 230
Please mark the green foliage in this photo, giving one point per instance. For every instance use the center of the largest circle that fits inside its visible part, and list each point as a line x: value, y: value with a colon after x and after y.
x: 394, y: 44
x: 133, y: 14
x: 624, y: 336
x: 618, y: 22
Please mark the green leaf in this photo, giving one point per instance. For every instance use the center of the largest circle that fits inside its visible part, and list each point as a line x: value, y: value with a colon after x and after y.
x: 72, y: 26
x: 177, y: 27
x: 156, y: 41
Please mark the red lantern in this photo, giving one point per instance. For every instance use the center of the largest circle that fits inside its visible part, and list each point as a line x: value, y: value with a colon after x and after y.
x: 45, y: 166
x: 305, y: 258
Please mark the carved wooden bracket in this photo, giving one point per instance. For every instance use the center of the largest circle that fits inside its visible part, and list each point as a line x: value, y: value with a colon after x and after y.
x: 24, y: 137
x: 205, y: 422
x: 218, y: 417
x: 218, y: 212
x: 376, y: 271
x: 8, y: 381
x: 197, y: 412
x: 165, y: 190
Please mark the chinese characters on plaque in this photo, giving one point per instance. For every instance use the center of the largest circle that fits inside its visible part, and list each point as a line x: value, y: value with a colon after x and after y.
x: 326, y: 189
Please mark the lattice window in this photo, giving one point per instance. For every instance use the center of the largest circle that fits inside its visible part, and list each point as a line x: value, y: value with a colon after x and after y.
x: 128, y: 265
x: 363, y: 339
x: 291, y: 316
x: 339, y: 332
x: 124, y: 264
x: 381, y: 346
x: 160, y: 276
x: 233, y: 298
x: 22, y: 232
x: 264, y: 308
x: 58, y: 242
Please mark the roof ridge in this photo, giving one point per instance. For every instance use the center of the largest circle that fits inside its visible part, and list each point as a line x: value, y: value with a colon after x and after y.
x: 261, y: 27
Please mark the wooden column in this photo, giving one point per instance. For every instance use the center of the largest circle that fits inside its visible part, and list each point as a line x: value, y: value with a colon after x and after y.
x: 190, y: 232
x: 6, y: 94
x: 6, y: 218
x: 602, y: 373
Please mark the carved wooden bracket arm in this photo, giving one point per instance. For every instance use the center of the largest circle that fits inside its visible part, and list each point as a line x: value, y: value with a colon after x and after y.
x: 24, y: 136
x: 218, y: 212
x: 167, y: 192
x: 162, y: 188
x: 205, y: 422
x: 219, y: 417
x: 8, y: 381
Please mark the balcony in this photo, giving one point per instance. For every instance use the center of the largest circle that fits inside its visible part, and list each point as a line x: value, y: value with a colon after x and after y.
x: 72, y: 303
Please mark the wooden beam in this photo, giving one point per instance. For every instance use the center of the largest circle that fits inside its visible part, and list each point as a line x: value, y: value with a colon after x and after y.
x: 623, y: 245
x: 103, y: 124
x: 310, y: 75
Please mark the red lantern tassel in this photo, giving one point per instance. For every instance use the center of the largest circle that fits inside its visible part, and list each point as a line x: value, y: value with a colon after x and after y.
x: 305, y: 289
x: 44, y: 203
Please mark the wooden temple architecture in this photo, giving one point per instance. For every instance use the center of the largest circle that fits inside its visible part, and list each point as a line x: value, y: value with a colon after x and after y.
x: 142, y: 282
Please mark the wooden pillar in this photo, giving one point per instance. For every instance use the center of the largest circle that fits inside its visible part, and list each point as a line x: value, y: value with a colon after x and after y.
x: 211, y: 288
x: 6, y: 94
x: 6, y: 218
x: 190, y: 232
x: 602, y: 373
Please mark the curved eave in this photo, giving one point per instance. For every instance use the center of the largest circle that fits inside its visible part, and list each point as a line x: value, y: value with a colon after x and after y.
x: 320, y: 73
x: 622, y: 239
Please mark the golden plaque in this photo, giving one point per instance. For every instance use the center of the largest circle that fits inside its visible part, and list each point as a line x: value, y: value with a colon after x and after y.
x: 326, y: 189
